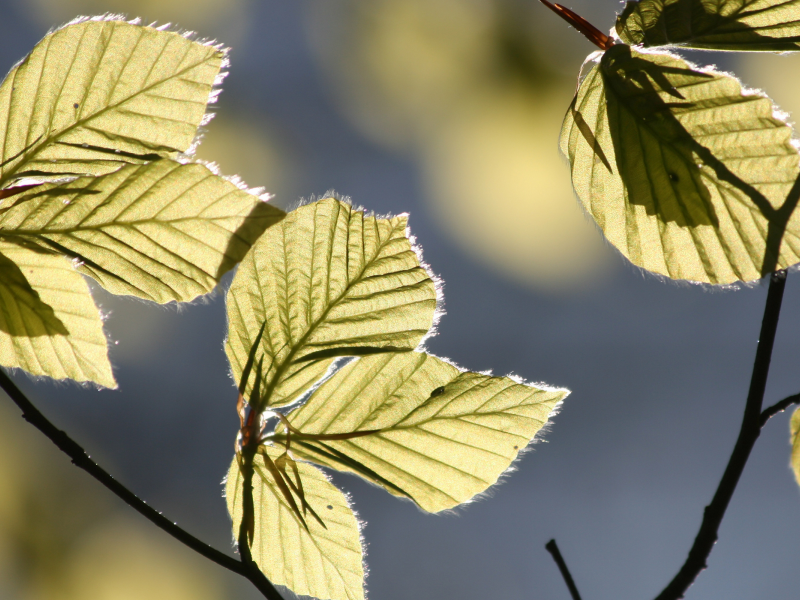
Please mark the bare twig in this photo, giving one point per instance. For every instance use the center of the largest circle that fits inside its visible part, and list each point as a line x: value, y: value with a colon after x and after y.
x: 552, y: 548
x: 81, y: 460
x: 781, y: 406
x: 748, y: 434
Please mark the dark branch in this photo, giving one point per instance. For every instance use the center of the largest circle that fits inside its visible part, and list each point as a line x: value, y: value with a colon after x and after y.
x: 552, y: 548
x: 748, y: 434
x: 81, y: 460
x: 778, y: 407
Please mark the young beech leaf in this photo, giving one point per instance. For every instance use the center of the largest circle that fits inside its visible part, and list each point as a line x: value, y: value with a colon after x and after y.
x: 703, y: 182
x: 161, y: 231
x: 441, y: 435
x: 97, y: 94
x: 750, y: 25
x: 49, y: 324
x: 795, y: 436
x: 322, y: 562
x: 329, y: 281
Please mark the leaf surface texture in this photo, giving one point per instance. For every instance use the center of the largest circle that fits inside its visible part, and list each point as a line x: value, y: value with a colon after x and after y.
x: 322, y: 562
x: 687, y: 175
x: 444, y: 435
x: 750, y: 25
x: 160, y: 231
x: 49, y: 324
x: 97, y: 94
x: 328, y: 281
x: 794, y: 426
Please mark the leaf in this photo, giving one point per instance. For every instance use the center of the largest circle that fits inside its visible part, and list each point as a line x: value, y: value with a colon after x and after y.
x: 323, y: 562
x: 160, y: 231
x: 444, y: 435
x: 704, y: 176
x: 329, y: 281
x: 19, y: 299
x: 51, y: 326
x: 750, y: 25
x: 97, y: 94
x: 795, y: 436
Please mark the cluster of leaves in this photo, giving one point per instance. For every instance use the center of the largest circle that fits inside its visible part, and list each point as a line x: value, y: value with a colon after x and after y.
x: 688, y: 174
x: 330, y: 282
x: 96, y: 179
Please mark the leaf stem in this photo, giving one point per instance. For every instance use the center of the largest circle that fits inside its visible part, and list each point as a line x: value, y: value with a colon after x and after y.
x: 253, y: 573
x: 552, y: 548
x: 752, y: 422
x: 773, y: 410
x: 82, y: 460
x: 589, y: 31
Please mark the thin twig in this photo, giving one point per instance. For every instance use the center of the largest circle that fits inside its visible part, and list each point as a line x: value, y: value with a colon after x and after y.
x: 781, y: 406
x: 81, y: 460
x: 552, y: 548
x: 748, y: 434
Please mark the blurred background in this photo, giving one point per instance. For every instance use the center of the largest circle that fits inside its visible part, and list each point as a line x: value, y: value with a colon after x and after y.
x: 448, y: 110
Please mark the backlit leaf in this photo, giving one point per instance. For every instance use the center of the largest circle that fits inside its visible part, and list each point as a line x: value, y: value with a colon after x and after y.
x: 50, y: 326
x: 753, y: 25
x: 702, y: 179
x: 97, y: 94
x: 161, y: 231
x: 444, y: 435
x: 20, y: 299
x: 795, y: 436
x: 329, y: 281
x: 322, y: 562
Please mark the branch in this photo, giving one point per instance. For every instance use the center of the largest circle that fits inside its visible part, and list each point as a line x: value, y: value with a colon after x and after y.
x: 778, y: 407
x: 81, y: 460
x: 552, y: 548
x: 748, y: 434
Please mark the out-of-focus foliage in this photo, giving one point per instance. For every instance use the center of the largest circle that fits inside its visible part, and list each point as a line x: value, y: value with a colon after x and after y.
x: 768, y: 72
x: 92, y: 173
x: 330, y: 282
x: 686, y: 175
x: 473, y: 91
x: 222, y: 19
x: 60, y: 550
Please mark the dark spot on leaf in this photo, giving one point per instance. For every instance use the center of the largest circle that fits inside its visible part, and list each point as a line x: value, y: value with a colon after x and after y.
x: 516, y: 447
x: 76, y: 105
x: 673, y: 177
x: 330, y: 507
x: 437, y: 392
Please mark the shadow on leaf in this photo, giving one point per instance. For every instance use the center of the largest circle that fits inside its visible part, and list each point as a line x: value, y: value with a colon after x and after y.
x: 22, y: 312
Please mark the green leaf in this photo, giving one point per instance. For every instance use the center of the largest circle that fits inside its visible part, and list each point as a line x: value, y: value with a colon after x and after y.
x: 750, y: 25
x: 49, y: 324
x: 19, y: 299
x: 322, y: 562
x: 702, y: 184
x: 97, y: 94
x: 161, y: 231
x: 444, y: 435
x: 795, y: 437
x: 327, y: 279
